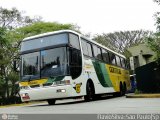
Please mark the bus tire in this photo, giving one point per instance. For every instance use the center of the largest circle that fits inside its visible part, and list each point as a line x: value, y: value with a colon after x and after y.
x: 51, y: 101
x: 90, y: 92
x: 124, y: 88
x: 121, y: 89
x: 120, y: 93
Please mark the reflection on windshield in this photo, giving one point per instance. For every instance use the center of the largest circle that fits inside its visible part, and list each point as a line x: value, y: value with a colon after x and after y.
x: 30, y: 65
x: 53, y: 62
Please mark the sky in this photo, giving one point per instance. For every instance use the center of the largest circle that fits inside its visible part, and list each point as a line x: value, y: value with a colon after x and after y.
x: 92, y: 16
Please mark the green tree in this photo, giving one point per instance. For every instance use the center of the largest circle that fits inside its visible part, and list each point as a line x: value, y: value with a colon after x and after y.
x: 9, y: 21
x: 42, y: 27
x: 154, y: 44
x: 157, y: 16
x: 14, y: 18
x: 120, y: 41
x: 154, y: 41
x: 14, y: 28
x: 3, y: 62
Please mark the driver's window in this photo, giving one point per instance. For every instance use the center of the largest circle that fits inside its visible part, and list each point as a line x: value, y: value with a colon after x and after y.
x: 75, y: 62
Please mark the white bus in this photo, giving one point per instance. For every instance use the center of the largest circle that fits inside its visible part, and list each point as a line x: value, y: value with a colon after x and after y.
x: 65, y: 64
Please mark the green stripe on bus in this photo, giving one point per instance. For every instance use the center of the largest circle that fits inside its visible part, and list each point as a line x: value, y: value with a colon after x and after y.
x: 102, y: 74
x: 106, y: 75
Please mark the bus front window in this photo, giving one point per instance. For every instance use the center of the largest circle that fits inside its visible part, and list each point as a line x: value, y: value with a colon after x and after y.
x: 54, y: 62
x: 30, y: 66
x: 43, y: 64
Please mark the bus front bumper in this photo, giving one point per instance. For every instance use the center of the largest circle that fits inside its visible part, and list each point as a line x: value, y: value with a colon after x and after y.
x: 44, y: 93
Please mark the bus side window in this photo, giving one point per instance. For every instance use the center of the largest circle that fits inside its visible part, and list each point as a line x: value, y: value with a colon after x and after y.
x: 97, y: 52
x: 99, y: 56
x: 118, y: 61
x: 75, y: 62
x: 74, y: 41
x: 123, y: 62
x: 89, y: 50
x: 112, y: 58
x: 84, y: 47
x: 105, y: 56
x: 127, y: 65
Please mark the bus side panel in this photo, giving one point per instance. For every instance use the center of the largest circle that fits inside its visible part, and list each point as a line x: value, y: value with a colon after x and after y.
x: 110, y: 76
x: 102, y: 74
x: 118, y: 75
x: 106, y: 78
x: 96, y: 71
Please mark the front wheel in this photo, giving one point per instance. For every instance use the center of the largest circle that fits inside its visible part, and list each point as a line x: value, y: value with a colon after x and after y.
x: 90, y: 92
x: 51, y: 101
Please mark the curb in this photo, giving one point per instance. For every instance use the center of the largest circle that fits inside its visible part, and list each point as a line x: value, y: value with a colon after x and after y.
x: 142, y: 95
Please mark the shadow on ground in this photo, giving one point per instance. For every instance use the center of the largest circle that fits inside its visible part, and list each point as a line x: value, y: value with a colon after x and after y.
x: 77, y: 102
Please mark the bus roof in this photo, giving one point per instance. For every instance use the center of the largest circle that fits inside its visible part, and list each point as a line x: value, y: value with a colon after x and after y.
x: 62, y: 31
x: 49, y: 33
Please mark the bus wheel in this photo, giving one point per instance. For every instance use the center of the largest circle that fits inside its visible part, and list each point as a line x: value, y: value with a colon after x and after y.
x: 90, y: 92
x: 120, y: 93
x: 51, y: 101
x: 121, y: 89
x: 124, y: 88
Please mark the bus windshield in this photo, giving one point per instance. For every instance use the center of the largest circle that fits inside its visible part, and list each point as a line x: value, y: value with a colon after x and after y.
x: 45, y: 63
x: 30, y: 65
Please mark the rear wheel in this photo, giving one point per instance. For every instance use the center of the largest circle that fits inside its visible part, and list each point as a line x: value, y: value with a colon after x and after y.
x: 121, y: 90
x: 120, y: 93
x: 90, y: 92
x: 124, y: 88
x: 51, y: 101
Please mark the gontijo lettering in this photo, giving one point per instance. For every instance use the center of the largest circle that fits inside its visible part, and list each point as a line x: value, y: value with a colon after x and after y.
x: 114, y: 70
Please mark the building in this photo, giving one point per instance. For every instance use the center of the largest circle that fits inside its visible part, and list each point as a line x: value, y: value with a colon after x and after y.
x: 141, y: 55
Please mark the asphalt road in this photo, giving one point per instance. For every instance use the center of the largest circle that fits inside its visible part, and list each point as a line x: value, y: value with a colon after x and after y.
x: 105, y: 105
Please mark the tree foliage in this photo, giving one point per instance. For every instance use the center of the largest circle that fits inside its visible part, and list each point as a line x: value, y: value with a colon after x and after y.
x: 6, y: 66
x: 14, y: 18
x: 154, y: 44
x: 154, y: 41
x: 120, y: 41
x: 9, y: 20
x: 14, y: 27
x: 157, y: 1
x: 42, y: 27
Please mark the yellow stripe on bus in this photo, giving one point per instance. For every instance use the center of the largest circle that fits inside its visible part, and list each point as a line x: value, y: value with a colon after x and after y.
x: 116, y: 75
x: 34, y: 82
